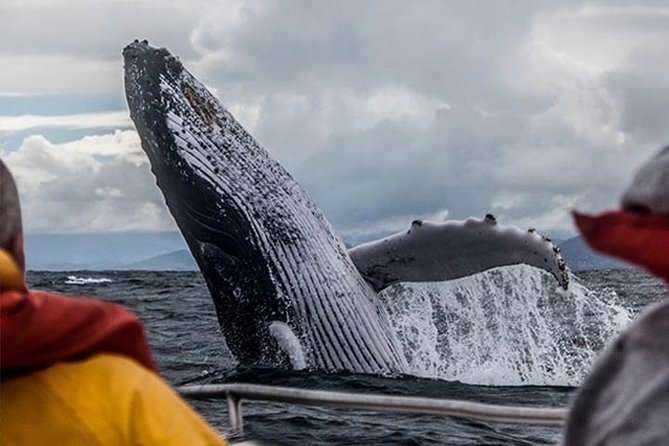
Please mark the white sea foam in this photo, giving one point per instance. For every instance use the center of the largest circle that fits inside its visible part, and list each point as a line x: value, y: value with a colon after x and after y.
x: 508, y: 326
x: 74, y: 280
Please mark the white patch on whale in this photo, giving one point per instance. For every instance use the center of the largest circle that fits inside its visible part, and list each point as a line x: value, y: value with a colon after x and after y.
x: 289, y: 343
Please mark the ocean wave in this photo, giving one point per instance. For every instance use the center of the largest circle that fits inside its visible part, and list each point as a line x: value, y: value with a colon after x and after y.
x: 74, y: 280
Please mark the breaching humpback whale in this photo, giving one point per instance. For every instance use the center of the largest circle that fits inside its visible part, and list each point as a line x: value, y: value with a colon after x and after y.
x: 286, y: 290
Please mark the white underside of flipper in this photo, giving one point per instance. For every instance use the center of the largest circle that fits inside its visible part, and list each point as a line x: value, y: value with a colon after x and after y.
x: 289, y: 344
x: 437, y: 251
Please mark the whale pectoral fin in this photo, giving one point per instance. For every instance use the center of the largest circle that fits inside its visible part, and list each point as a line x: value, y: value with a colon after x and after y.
x: 217, y: 258
x: 289, y: 343
x: 438, y: 251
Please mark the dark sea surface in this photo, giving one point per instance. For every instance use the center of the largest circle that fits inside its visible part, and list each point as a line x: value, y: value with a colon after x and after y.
x: 190, y: 349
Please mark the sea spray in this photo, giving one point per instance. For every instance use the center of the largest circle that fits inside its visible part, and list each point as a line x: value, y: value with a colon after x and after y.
x: 507, y: 326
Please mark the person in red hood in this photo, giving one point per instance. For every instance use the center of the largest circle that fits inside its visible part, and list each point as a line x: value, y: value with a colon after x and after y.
x: 625, y: 398
x: 639, y: 233
x: 75, y: 370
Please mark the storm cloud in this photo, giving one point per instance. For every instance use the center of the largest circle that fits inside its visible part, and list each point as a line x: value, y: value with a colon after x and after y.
x: 388, y: 110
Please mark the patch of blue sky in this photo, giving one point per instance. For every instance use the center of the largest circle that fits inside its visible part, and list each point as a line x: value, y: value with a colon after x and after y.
x: 104, y: 158
x: 59, y: 104
x: 10, y: 141
x: 56, y: 105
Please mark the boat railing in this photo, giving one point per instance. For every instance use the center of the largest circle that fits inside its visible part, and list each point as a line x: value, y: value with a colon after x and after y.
x: 235, y: 393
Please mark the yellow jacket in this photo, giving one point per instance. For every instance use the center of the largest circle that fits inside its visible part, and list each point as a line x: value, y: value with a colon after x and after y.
x: 102, y: 400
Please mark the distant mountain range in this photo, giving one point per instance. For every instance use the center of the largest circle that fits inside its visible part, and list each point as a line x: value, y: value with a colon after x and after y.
x: 167, y: 251
x: 112, y: 251
x: 580, y: 257
x: 180, y: 260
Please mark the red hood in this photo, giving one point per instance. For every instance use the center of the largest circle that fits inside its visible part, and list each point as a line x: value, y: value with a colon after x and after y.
x: 642, y: 239
x: 38, y: 329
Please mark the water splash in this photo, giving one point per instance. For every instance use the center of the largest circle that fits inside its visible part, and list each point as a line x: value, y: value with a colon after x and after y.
x: 507, y: 326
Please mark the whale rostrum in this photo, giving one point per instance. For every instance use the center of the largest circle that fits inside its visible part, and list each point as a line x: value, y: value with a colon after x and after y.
x: 287, y: 292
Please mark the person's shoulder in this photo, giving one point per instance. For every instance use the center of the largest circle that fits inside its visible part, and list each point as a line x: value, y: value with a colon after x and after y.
x: 108, y: 368
x: 113, y: 394
x: 112, y: 361
x: 97, y: 391
x: 158, y: 414
x: 99, y: 376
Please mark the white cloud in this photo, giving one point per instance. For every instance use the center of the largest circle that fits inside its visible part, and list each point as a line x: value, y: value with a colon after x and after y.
x: 384, y: 110
x: 602, y: 36
x: 505, y: 200
x: 53, y: 73
x: 95, y: 184
x: 74, y: 46
x: 78, y: 121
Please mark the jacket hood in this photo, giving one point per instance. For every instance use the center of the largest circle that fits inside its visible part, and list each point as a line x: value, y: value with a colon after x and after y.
x: 641, y: 239
x: 639, y: 233
x: 39, y: 329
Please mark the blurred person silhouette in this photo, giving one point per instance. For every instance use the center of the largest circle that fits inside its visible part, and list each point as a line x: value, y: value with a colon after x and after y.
x: 74, y: 370
x: 625, y: 399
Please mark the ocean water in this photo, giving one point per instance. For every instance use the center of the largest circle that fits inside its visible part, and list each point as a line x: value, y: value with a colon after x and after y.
x: 508, y: 336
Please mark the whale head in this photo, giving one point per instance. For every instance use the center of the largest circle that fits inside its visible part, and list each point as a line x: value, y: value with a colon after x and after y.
x: 211, y: 179
x: 280, y: 278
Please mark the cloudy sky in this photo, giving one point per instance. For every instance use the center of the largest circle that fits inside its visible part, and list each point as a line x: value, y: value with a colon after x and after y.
x: 384, y: 110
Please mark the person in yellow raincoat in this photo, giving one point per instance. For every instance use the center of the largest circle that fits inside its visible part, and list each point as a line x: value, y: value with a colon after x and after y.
x: 77, y: 371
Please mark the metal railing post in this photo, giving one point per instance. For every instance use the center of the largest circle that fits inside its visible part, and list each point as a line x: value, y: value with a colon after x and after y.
x: 235, y: 413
